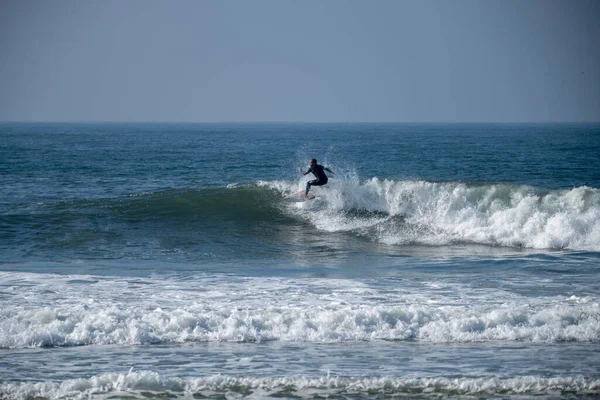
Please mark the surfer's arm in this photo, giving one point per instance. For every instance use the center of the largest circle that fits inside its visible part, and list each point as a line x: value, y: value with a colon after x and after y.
x: 304, y: 173
x: 328, y: 170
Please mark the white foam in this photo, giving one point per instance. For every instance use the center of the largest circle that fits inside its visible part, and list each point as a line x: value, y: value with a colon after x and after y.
x: 401, y: 212
x: 140, y: 384
x: 49, y: 310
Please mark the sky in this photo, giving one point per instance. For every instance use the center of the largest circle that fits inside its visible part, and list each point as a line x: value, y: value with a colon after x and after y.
x: 300, y: 61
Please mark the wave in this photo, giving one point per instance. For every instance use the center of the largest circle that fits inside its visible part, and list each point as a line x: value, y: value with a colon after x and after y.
x: 435, y: 213
x: 385, y: 211
x: 46, y: 327
x: 144, y: 383
x: 87, y: 310
x: 140, y: 225
x: 235, y: 202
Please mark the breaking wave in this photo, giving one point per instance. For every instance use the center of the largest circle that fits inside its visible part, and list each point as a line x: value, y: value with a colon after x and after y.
x: 144, y: 384
x: 80, y: 310
x: 430, y: 213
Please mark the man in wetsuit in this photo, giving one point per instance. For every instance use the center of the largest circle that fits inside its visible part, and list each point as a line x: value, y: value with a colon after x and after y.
x: 319, y: 172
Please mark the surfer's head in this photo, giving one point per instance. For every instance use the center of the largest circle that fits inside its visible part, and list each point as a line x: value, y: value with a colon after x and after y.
x: 313, y: 161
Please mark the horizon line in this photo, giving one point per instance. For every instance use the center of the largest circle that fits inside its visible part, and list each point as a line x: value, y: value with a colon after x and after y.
x: 284, y: 122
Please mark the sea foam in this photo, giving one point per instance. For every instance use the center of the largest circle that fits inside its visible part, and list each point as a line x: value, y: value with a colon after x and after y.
x: 51, y: 311
x: 145, y: 383
x: 433, y: 213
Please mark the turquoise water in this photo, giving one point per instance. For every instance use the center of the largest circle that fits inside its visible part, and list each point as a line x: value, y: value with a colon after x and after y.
x: 163, y: 260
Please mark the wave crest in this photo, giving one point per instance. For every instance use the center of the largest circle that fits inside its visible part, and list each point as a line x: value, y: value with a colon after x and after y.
x: 433, y: 213
x: 75, y: 326
x: 144, y: 384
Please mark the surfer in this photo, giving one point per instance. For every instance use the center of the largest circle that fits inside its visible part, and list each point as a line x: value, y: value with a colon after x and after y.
x: 319, y: 172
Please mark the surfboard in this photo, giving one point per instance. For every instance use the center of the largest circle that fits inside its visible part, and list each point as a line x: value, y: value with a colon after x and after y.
x: 299, y: 196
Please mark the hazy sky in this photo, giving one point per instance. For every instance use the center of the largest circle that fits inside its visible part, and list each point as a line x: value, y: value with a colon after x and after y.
x: 406, y: 61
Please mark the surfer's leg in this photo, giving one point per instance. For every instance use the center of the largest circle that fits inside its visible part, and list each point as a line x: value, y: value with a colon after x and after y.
x: 309, y: 184
x: 314, y: 182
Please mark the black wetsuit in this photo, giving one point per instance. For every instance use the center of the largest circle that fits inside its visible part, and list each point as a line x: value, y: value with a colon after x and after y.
x: 319, y: 172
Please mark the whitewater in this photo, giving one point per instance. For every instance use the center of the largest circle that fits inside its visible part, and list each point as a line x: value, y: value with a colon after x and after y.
x: 86, y: 310
x: 433, y: 213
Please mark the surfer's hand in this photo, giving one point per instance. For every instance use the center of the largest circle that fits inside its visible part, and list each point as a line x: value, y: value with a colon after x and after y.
x: 300, y: 169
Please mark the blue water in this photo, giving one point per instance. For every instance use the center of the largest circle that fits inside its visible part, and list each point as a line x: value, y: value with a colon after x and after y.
x: 440, y: 261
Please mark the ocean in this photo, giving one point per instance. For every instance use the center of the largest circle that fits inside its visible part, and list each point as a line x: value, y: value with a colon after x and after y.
x: 164, y: 261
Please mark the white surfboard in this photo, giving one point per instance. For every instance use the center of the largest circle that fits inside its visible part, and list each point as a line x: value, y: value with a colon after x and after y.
x: 299, y: 196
